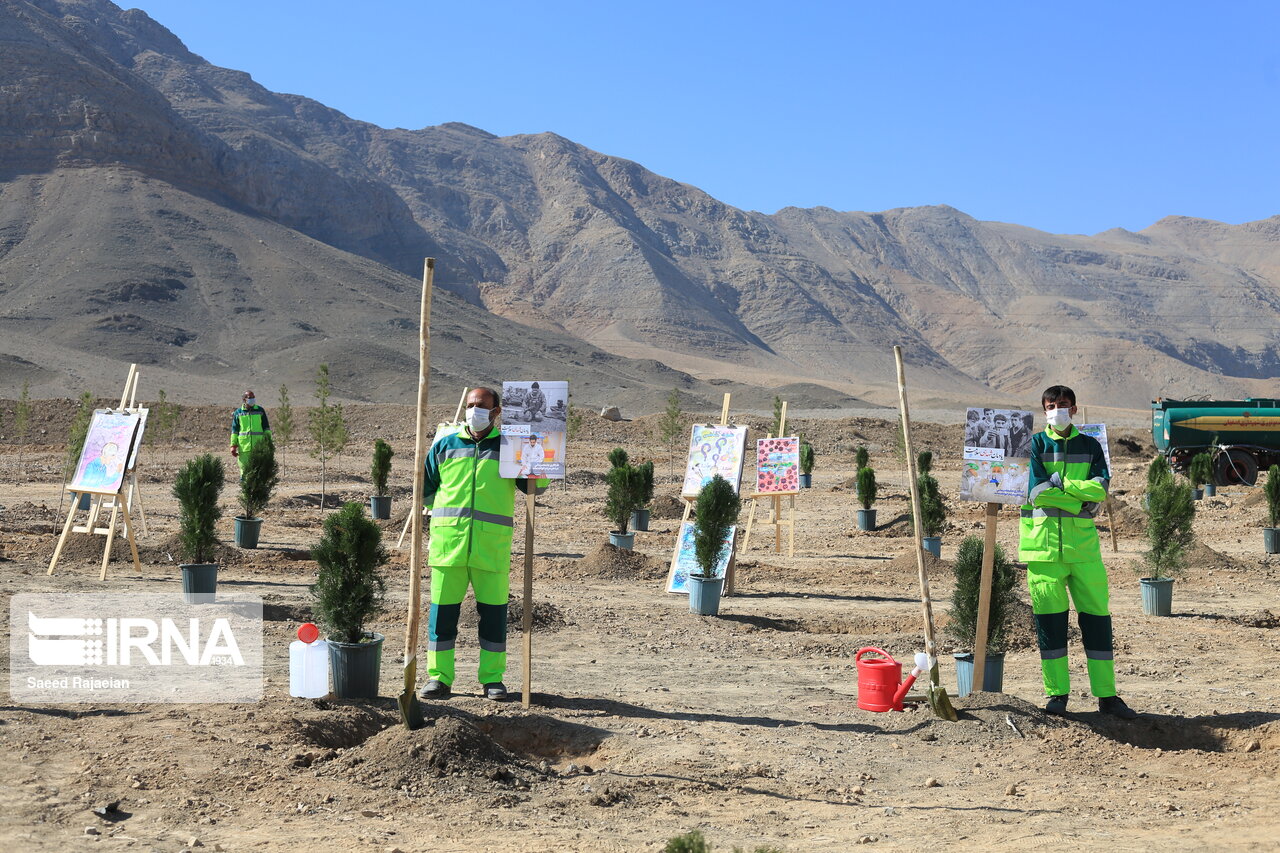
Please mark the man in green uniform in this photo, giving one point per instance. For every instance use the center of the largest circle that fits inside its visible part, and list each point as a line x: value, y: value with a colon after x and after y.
x: 472, y: 513
x: 249, y: 427
x: 1059, y: 542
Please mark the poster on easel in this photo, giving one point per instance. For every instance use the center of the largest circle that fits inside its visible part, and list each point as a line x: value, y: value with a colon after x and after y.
x: 1099, y: 432
x: 684, y: 563
x: 997, y: 455
x: 108, y: 446
x: 534, y: 429
x: 778, y: 465
x: 714, y: 450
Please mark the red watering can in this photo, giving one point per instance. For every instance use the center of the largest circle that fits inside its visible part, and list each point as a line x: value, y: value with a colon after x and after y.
x: 878, y: 687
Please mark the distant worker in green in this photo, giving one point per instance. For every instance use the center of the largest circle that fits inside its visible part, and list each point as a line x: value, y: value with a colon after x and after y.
x: 249, y: 427
x: 472, y: 519
x: 1059, y: 542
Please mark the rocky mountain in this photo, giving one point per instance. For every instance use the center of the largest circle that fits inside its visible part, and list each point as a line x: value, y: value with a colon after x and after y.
x: 153, y: 203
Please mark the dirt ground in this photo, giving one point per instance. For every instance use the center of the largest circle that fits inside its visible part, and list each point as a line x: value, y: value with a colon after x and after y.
x: 648, y: 721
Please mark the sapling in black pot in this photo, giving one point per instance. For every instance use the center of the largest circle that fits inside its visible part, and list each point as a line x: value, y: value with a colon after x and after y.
x: 962, y: 624
x: 714, y: 515
x: 197, y: 488
x: 807, y: 461
x: 867, y: 497
x: 257, y: 483
x: 349, y: 591
x: 380, y: 501
x: 1271, y: 489
x: 1171, y: 509
x: 640, y: 515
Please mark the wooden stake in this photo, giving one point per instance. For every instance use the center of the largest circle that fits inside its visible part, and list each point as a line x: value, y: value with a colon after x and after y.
x: 782, y: 421
x: 419, y: 458
x: 984, y: 598
x: 724, y: 411
x: 1111, y: 525
x: 526, y: 617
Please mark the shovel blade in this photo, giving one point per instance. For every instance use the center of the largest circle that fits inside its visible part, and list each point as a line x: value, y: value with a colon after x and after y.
x: 410, y: 707
x: 940, y: 702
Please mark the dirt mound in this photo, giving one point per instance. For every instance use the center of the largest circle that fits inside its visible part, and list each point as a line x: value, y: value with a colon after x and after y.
x: 1130, y: 520
x: 906, y: 564
x: 581, y: 477
x: 608, y: 561
x: 331, y: 499
x: 1261, y: 619
x: 546, y: 616
x: 449, y: 745
x: 1201, y: 556
x: 1256, y: 497
x: 666, y: 506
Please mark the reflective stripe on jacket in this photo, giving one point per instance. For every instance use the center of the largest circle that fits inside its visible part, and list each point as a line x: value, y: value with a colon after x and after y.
x: 248, y: 426
x: 472, y: 506
x: 1057, y: 524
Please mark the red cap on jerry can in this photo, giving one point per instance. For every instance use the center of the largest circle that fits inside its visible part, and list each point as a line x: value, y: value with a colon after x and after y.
x: 308, y: 632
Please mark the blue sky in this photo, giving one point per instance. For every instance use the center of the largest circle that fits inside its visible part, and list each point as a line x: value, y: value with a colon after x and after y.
x: 1071, y: 118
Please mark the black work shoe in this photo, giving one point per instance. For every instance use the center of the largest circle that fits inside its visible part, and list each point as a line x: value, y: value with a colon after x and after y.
x: 496, y: 691
x: 436, y: 690
x: 1057, y: 705
x: 1115, y: 706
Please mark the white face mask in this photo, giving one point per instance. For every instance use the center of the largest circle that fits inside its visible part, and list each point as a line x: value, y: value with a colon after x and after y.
x: 477, y: 418
x: 249, y: 401
x: 1058, y: 418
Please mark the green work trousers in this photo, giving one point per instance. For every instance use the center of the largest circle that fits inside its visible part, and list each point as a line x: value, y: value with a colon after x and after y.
x: 448, y: 589
x: 1049, y: 584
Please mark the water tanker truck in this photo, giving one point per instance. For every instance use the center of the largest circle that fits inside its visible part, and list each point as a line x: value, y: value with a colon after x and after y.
x: 1241, y: 435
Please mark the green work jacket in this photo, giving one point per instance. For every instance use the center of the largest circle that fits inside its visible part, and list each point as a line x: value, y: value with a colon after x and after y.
x: 248, y: 427
x: 1057, y: 524
x: 472, y: 505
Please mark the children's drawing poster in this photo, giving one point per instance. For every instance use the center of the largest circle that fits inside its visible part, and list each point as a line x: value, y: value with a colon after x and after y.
x: 137, y: 438
x: 534, y: 429
x: 106, y: 449
x: 778, y: 465
x: 997, y: 455
x: 714, y: 450
x: 1098, y: 431
x: 684, y: 563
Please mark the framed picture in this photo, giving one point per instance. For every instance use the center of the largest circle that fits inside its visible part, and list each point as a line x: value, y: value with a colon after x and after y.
x: 534, y: 429
x: 714, y: 450
x: 684, y: 563
x: 997, y: 455
x: 107, y: 449
x: 778, y: 465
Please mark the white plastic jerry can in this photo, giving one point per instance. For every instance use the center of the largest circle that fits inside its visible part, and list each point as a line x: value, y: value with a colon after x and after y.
x: 309, y: 664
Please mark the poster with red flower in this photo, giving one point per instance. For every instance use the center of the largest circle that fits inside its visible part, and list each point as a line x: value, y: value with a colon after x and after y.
x: 778, y: 465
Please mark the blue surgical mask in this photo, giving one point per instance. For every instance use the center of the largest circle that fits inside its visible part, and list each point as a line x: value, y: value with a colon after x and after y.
x: 250, y: 402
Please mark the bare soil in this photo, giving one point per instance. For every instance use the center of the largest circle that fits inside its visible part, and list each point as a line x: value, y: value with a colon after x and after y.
x: 648, y: 721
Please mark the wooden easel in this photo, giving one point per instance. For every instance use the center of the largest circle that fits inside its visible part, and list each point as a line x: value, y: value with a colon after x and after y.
x: 408, y: 519
x: 688, y: 511
x: 117, y: 501
x: 775, y: 512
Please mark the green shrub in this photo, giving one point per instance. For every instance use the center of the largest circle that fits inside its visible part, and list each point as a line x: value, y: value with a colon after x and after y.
x: 962, y: 626
x: 861, y: 458
x: 1200, y: 471
x: 933, y: 512
x: 924, y: 462
x: 646, y: 481
x: 714, y: 513
x: 77, y: 434
x: 1171, y: 508
x: 617, y: 457
x: 382, y: 454
x: 867, y: 487
x: 260, y: 478
x: 626, y: 488
x: 690, y: 842
x: 806, y: 458
x: 1158, y: 471
x: 349, y: 590
x: 1272, y: 491
x: 197, y: 488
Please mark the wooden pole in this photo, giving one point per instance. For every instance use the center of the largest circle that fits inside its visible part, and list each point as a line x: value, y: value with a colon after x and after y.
x: 984, y: 598
x: 419, y: 458
x: 724, y: 411
x: 782, y: 421
x: 526, y: 617
x: 1111, y: 525
x: 926, y: 603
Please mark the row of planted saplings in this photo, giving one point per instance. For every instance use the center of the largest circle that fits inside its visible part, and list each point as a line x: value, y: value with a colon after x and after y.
x: 349, y: 587
x: 933, y: 511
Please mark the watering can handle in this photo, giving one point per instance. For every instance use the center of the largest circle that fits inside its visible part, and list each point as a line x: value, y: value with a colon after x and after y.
x: 880, y: 652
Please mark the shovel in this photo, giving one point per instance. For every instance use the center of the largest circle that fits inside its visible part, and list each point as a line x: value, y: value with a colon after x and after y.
x: 937, y: 696
x: 410, y: 707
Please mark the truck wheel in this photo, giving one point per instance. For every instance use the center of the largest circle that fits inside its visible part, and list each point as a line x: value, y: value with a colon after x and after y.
x: 1235, y: 468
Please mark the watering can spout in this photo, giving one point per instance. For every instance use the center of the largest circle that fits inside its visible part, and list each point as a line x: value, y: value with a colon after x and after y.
x: 901, y: 692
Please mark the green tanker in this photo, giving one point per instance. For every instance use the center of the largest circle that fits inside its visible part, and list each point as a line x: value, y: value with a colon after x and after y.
x: 1242, y: 435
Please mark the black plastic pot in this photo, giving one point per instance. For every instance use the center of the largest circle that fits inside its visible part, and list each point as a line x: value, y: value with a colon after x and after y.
x: 247, y: 531
x: 1271, y: 539
x: 806, y: 481
x: 199, y: 582
x: 640, y: 519
x: 356, y: 667
x: 380, y: 507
